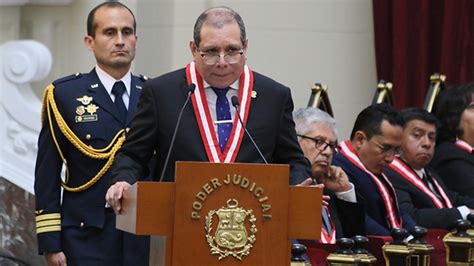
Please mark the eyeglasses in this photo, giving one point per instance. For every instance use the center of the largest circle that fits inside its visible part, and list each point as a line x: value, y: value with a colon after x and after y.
x: 387, y: 149
x: 322, y: 145
x: 212, y: 58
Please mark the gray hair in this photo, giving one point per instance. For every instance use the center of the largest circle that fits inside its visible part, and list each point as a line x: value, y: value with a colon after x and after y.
x: 305, y: 117
x: 218, y: 17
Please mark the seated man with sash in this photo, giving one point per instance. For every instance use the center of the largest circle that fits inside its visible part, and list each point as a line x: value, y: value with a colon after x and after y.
x: 344, y: 217
x: 421, y: 192
x: 375, y: 141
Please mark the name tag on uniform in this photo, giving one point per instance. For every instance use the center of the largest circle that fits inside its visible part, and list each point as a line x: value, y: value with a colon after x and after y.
x: 82, y: 117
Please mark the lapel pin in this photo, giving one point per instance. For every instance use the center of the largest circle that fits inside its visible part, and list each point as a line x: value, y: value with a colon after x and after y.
x: 254, y: 94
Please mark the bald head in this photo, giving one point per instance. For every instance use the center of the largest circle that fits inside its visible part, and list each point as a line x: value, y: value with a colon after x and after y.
x: 218, y: 17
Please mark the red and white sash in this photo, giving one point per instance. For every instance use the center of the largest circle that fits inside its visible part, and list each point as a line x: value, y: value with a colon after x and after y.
x: 203, y: 117
x: 328, y: 238
x: 394, y: 219
x: 463, y: 145
x: 405, y: 171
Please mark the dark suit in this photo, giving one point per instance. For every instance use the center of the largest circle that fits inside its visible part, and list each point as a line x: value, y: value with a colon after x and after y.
x: 368, y: 194
x: 456, y: 167
x: 270, y: 122
x: 420, y: 206
x: 348, y: 217
x: 80, y: 226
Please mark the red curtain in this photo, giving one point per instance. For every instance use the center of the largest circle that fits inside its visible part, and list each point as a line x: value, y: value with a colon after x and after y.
x: 417, y: 38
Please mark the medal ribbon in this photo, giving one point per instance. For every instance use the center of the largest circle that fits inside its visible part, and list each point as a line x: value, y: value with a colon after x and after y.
x: 393, y: 218
x: 203, y: 117
x: 463, y: 145
x: 400, y: 167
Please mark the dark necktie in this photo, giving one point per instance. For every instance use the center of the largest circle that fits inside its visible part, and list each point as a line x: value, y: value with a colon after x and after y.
x: 118, y: 89
x: 223, y: 114
x: 429, y: 183
x: 326, y: 221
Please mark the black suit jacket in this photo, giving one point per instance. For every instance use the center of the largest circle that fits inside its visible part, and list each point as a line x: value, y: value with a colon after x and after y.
x: 456, y: 167
x: 348, y: 217
x: 269, y: 121
x: 421, y: 207
x: 86, y: 208
x: 376, y: 222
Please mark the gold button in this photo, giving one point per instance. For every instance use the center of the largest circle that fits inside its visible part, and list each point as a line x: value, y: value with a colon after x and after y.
x: 88, y: 136
x: 127, y: 129
x: 81, y: 224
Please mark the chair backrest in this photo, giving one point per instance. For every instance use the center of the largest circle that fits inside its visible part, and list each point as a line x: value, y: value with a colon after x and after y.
x: 437, y: 84
x: 383, y: 93
x: 319, y: 98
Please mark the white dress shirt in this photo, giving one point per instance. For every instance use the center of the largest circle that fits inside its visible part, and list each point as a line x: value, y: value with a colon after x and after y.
x: 108, y: 83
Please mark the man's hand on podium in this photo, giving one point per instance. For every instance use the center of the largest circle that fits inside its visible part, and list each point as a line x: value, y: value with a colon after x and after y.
x: 312, y: 183
x: 114, y: 195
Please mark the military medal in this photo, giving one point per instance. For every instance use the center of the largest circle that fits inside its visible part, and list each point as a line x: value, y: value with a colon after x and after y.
x: 89, y: 108
x: 85, y: 100
x: 92, y: 108
x: 80, y: 110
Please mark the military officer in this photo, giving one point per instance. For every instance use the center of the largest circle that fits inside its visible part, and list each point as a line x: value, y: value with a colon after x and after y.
x: 84, y: 122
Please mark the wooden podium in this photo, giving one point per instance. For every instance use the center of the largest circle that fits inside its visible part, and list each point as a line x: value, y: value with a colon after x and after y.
x: 222, y: 214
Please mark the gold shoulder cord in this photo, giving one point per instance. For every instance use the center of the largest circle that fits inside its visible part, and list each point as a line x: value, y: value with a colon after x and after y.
x: 100, y: 154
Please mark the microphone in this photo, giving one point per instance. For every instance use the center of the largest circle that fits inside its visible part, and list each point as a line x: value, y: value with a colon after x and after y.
x: 235, y: 103
x: 191, y: 89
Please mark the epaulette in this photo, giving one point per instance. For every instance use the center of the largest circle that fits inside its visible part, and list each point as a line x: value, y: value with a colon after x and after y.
x: 143, y: 77
x: 67, y: 78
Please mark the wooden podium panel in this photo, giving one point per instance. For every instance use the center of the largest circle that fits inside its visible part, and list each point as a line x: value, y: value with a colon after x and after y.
x: 221, y: 209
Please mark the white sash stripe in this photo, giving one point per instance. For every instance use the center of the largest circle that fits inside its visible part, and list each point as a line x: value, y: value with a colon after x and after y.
x: 199, y: 101
x: 385, y: 194
x: 441, y: 191
x: 242, y: 109
x: 463, y: 145
x: 400, y: 168
x: 206, y: 126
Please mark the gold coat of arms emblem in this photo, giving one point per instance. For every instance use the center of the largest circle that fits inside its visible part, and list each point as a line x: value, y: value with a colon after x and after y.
x: 231, y: 237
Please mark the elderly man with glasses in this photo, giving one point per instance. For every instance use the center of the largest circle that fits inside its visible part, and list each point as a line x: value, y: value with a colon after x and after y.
x: 317, y: 135
x: 375, y: 141
x: 210, y: 129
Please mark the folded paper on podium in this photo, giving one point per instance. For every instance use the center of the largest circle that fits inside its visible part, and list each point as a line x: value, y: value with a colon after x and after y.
x: 222, y: 214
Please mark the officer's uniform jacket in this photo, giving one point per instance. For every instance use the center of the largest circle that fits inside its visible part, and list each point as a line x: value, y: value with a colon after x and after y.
x: 87, y: 109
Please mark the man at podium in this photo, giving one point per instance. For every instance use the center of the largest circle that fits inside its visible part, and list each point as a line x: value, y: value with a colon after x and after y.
x: 210, y: 129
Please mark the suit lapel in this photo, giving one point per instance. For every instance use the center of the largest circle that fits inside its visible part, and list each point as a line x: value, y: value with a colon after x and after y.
x: 135, y: 91
x: 101, y: 97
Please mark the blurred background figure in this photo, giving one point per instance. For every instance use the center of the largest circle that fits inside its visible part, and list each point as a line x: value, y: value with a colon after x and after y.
x: 453, y: 158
